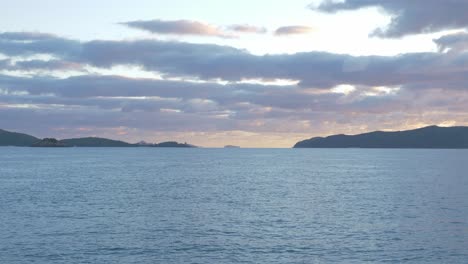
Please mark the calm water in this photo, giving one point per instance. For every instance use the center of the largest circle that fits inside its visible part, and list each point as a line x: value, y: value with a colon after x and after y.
x: 233, y: 206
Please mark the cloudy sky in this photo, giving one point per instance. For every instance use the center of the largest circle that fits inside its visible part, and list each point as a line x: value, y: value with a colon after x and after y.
x: 257, y: 73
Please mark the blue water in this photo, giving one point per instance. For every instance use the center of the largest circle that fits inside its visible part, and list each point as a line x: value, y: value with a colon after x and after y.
x: 143, y: 205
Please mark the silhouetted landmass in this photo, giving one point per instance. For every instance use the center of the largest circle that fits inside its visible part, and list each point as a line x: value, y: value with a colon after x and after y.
x: 49, y: 143
x: 169, y: 144
x: 231, y: 146
x: 173, y: 144
x: 16, y: 139
x: 95, y: 142
x: 23, y: 140
x: 428, y: 137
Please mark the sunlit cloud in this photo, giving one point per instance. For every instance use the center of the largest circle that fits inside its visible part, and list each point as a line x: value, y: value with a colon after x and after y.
x: 178, y: 27
x: 245, y: 28
x: 293, y: 30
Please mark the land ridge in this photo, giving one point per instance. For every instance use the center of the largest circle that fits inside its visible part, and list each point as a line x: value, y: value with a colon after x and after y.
x: 426, y: 137
x: 8, y: 138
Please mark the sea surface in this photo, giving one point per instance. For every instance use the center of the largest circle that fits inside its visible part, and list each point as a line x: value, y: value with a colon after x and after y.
x: 152, y: 205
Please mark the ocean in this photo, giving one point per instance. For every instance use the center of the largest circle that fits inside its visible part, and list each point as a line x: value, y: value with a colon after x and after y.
x: 155, y: 205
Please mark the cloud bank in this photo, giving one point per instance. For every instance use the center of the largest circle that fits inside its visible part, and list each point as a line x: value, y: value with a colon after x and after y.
x: 212, y: 89
x: 409, y: 17
x: 320, y: 70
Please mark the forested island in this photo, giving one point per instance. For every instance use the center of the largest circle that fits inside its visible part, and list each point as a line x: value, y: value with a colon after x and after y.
x: 8, y: 138
x: 427, y: 137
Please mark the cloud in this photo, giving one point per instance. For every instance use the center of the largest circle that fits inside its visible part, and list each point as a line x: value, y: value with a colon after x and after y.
x: 454, y: 42
x: 312, y: 69
x: 4, y: 64
x: 428, y: 87
x: 32, y: 43
x: 243, y: 28
x: 135, y: 94
x: 320, y: 70
x: 106, y: 103
x: 41, y: 65
x: 177, y: 27
x: 26, y: 36
x: 293, y: 30
x: 409, y: 17
x: 96, y: 86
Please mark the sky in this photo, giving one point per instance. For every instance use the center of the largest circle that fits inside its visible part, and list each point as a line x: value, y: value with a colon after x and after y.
x: 249, y: 73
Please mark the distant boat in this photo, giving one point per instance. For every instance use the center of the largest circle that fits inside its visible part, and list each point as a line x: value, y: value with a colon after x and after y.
x: 230, y: 146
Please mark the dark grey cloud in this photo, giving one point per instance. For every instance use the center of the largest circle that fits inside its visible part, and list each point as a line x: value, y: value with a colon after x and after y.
x: 239, y: 102
x: 28, y: 44
x: 177, y: 27
x: 454, y: 42
x: 293, y: 30
x: 115, y: 86
x: 208, y: 62
x: 4, y: 64
x: 311, y: 69
x: 31, y: 119
x: 26, y: 36
x: 409, y: 16
x: 129, y: 94
x: 89, y: 86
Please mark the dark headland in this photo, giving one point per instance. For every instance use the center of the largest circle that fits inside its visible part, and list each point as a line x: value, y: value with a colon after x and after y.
x: 427, y: 137
x: 16, y: 139
x: 8, y: 138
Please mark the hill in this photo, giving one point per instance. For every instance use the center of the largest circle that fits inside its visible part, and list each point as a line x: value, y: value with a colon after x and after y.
x: 427, y: 137
x: 23, y: 140
x: 173, y: 144
x: 16, y: 139
x: 95, y: 142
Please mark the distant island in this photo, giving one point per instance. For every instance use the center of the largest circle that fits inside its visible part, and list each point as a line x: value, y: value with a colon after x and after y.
x: 169, y: 144
x: 427, y: 137
x: 8, y: 138
x: 231, y: 146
